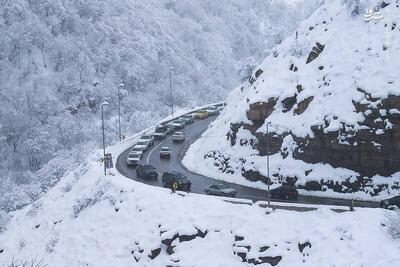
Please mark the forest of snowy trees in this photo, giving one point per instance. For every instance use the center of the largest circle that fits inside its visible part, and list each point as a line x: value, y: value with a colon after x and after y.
x: 59, y: 59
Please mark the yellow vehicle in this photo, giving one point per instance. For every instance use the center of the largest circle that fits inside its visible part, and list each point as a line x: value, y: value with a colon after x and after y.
x: 201, y: 114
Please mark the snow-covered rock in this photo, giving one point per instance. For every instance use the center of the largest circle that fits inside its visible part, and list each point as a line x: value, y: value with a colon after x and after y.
x: 330, y: 94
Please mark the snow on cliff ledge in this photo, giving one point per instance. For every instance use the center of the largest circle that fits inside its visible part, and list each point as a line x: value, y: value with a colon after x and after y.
x: 352, y: 57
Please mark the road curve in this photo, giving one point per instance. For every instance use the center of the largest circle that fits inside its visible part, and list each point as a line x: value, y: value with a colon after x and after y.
x: 199, y: 182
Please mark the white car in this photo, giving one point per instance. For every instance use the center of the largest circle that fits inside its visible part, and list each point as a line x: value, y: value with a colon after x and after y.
x: 132, y: 160
x: 138, y: 151
x: 178, y: 137
x: 212, y: 110
x: 178, y: 123
x: 165, y: 152
x: 147, y: 138
x: 142, y: 144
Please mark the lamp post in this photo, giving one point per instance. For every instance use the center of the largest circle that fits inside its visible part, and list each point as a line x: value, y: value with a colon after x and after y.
x: 268, y: 180
x: 121, y: 85
x: 105, y: 103
x: 170, y: 90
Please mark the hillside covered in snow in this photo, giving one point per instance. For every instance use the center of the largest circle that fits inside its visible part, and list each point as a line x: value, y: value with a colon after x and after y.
x: 330, y: 94
x: 59, y: 60
x: 89, y: 219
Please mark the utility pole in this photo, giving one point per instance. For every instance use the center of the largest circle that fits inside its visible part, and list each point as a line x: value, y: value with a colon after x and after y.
x: 170, y: 90
x: 268, y: 180
x: 105, y: 103
x: 121, y: 85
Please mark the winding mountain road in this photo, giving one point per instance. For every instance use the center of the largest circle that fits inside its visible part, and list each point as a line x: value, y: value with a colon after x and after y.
x: 199, y: 182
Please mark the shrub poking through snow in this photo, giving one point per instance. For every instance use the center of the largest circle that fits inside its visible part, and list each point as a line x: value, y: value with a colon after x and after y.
x: 393, y: 223
x: 35, y: 262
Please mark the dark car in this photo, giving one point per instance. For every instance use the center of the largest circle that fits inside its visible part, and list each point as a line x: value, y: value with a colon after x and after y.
x: 284, y: 192
x: 170, y: 127
x: 182, y: 182
x: 220, y: 190
x: 188, y: 118
x: 391, y: 203
x: 146, y: 172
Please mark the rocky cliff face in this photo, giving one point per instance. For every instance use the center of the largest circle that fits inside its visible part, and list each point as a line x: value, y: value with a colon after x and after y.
x: 331, y: 97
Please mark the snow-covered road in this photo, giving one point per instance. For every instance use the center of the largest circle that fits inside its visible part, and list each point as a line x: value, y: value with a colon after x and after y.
x: 199, y: 182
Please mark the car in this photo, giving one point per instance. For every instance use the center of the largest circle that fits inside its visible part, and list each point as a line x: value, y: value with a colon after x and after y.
x: 201, y: 114
x: 147, y: 172
x: 165, y: 152
x: 147, y: 138
x: 170, y: 127
x: 178, y: 123
x: 284, y: 192
x: 137, y: 150
x: 132, y: 160
x: 178, y: 137
x: 212, y: 110
x: 160, y: 132
x: 220, y: 106
x: 220, y: 190
x: 182, y: 182
x: 391, y: 203
x: 142, y: 144
x: 188, y: 118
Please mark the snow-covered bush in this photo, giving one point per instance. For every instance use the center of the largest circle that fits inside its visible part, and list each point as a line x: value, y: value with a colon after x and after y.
x: 102, y: 191
x: 35, y: 262
x: 393, y: 223
x: 354, y: 6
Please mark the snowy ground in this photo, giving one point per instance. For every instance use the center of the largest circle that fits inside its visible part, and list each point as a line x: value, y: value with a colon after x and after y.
x: 92, y: 220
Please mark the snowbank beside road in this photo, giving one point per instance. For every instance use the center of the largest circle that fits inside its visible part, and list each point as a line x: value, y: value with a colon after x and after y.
x: 91, y: 220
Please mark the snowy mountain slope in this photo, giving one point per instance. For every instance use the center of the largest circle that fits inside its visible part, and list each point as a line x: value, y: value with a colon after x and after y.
x: 59, y: 60
x: 331, y: 95
x: 91, y: 220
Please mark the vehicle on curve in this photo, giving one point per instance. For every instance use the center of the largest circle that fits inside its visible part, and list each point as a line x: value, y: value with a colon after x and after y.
x: 178, y: 137
x: 201, y: 114
x: 178, y: 123
x: 136, y: 150
x: 147, y: 172
x: 149, y: 138
x: 182, y: 182
x: 170, y: 127
x: 142, y: 144
x: 284, y: 192
x: 160, y: 132
x: 132, y: 160
x: 188, y: 118
x: 165, y: 153
x: 391, y: 203
x: 220, y: 190
x: 212, y: 110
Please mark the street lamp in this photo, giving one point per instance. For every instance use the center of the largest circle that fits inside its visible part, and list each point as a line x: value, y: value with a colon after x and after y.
x: 170, y: 89
x: 268, y: 179
x: 120, y: 86
x: 105, y: 103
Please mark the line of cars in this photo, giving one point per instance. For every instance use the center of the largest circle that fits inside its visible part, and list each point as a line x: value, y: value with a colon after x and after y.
x: 136, y: 153
x: 162, y: 130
